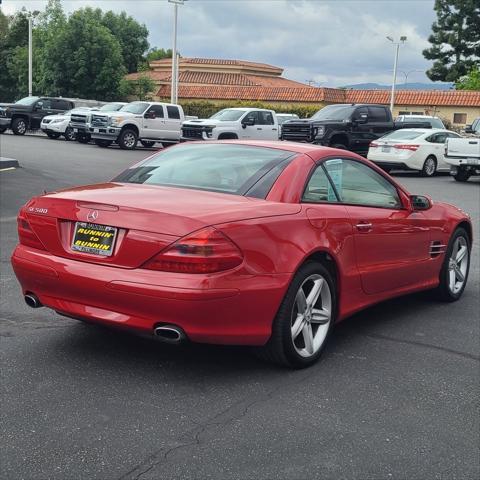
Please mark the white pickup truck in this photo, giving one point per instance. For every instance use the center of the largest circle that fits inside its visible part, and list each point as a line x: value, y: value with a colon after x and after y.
x: 233, y: 123
x: 147, y: 122
x: 463, y: 155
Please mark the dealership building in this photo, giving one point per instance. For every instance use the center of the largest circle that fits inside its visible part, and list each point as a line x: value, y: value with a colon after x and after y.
x: 220, y: 81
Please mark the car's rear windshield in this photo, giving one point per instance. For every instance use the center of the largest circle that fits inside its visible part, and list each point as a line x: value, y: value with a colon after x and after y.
x: 403, y: 135
x: 226, y: 168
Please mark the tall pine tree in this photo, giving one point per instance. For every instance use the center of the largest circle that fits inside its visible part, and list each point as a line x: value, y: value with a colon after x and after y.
x: 455, y: 39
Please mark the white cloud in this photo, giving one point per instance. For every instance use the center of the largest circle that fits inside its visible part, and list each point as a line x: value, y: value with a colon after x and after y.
x: 333, y: 42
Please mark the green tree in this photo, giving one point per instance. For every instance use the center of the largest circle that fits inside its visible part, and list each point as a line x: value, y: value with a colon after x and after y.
x: 141, y: 88
x: 86, y: 58
x: 158, y: 54
x: 131, y: 35
x: 455, y: 39
x: 470, y: 81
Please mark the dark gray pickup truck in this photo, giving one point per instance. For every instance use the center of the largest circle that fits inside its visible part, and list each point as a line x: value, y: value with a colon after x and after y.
x: 349, y: 127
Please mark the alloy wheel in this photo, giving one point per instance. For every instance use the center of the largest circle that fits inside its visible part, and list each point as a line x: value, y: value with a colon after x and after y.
x: 458, y: 265
x: 429, y: 167
x: 129, y: 140
x: 311, y: 315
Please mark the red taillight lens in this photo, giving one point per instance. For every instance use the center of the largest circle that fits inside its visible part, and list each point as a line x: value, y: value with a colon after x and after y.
x: 26, y: 235
x: 373, y: 145
x: 413, y: 148
x: 204, y: 251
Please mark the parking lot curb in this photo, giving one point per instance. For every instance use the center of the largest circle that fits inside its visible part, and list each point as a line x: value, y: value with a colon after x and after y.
x: 8, y: 163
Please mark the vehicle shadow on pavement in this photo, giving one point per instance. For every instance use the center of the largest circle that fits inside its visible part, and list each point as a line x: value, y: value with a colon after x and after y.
x: 115, y: 349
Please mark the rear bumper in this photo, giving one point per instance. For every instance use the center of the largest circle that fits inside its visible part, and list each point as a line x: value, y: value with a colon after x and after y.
x: 392, y: 165
x: 230, y: 308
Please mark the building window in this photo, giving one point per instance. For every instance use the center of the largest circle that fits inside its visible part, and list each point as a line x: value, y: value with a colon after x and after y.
x: 460, y: 118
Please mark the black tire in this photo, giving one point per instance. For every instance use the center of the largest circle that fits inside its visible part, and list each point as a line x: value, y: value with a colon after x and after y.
x: 341, y: 146
x: 462, y: 175
x: 19, y: 126
x: 429, y: 167
x: 83, y: 137
x: 280, y: 348
x: 147, y: 144
x: 70, y: 135
x: 127, y: 140
x: 103, y: 143
x: 53, y: 135
x: 443, y: 291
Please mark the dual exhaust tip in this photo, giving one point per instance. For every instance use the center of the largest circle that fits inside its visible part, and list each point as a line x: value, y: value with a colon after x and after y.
x: 32, y: 300
x: 165, y: 333
x: 170, y: 334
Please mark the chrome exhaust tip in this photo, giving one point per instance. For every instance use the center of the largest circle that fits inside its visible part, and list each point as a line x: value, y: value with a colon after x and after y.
x: 169, y: 334
x: 32, y: 301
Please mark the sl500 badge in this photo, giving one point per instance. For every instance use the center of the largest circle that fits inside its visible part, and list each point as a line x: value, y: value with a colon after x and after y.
x: 44, y: 211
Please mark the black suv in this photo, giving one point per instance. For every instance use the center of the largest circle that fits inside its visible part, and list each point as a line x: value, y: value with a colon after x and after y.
x: 349, y: 127
x: 27, y: 113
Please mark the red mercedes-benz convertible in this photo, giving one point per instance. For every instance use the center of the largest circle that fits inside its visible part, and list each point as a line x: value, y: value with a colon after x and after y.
x: 245, y: 243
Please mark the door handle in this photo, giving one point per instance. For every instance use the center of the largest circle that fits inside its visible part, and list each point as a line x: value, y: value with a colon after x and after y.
x: 364, y: 226
x: 259, y: 128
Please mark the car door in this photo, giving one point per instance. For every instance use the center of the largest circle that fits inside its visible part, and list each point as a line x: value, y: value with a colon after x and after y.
x: 392, y: 243
x: 361, y: 133
x: 154, y: 122
x: 173, y: 123
x: 266, y: 128
x: 42, y: 108
x: 250, y: 131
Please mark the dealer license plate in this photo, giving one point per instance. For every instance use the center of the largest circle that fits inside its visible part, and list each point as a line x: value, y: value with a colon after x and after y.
x: 386, y: 148
x: 94, y: 239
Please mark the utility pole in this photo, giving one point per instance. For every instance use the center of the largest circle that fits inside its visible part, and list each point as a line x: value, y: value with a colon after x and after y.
x: 403, y: 39
x: 30, y: 55
x: 174, y: 85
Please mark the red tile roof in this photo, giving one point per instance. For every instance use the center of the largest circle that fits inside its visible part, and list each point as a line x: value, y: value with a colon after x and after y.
x: 307, y: 94
x: 217, y: 61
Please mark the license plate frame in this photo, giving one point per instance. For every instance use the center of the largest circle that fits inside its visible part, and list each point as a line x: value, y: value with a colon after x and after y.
x: 386, y: 148
x: 98, y: 240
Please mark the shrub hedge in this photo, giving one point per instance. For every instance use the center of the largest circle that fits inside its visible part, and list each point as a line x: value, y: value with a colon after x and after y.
x: 205, y: 109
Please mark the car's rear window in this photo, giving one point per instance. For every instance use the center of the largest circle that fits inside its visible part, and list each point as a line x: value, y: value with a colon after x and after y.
x: 403, y: 135
x: 227, y: 168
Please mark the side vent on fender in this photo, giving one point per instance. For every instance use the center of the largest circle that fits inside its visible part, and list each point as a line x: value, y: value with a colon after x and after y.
x: 436, y: 249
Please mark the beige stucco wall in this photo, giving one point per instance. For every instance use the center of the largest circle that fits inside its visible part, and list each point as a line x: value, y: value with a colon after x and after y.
x: 446, y: 113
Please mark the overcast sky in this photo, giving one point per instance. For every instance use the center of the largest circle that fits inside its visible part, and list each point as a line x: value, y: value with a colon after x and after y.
x: 333, y: 42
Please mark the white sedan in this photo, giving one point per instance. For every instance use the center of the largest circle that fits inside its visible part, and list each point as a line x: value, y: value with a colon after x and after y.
x: 418, y: 149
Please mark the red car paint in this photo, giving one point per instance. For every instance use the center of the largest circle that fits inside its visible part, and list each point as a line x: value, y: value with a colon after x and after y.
x: 275, y: 236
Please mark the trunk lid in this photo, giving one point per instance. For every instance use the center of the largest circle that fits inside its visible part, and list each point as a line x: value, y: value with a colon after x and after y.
x: 147, y: 218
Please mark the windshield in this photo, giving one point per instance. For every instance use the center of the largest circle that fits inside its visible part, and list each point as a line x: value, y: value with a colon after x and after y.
x: 233, y: 169
x: 112, y: 107
x: 334, y: 112
x: 228, y: 115
x: 136, y: 107
x: 27, y: 101
x: 403, y: 135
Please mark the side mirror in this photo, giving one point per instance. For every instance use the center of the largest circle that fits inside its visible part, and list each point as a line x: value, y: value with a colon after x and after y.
x: 38, y: 106
x: 469, y: 129
x: 151, y: 115
x: 248, y: 122
x: 420, y: 202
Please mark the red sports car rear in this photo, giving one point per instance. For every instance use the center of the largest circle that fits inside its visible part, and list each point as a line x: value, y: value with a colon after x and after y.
x: 262, y: 244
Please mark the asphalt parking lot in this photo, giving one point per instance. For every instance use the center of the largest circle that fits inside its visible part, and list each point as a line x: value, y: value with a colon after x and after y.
x: 395, y: 395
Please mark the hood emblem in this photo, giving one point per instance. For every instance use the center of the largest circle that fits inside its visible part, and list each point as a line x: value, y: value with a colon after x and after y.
x: 92, y: 215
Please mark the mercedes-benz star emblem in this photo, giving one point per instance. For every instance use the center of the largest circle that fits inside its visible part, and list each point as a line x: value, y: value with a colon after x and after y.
x: 93, y: 215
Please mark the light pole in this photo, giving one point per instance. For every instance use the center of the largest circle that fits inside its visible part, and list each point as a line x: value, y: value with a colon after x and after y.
x: 402, y: 40
x: 174, y: 87
x: 30, y: 50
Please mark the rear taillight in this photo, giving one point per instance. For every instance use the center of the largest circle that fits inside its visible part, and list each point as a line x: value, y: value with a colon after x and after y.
x: 204, y: 251
x: 413, y: 148
x: 26, y: 235
x: 373, y: 145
